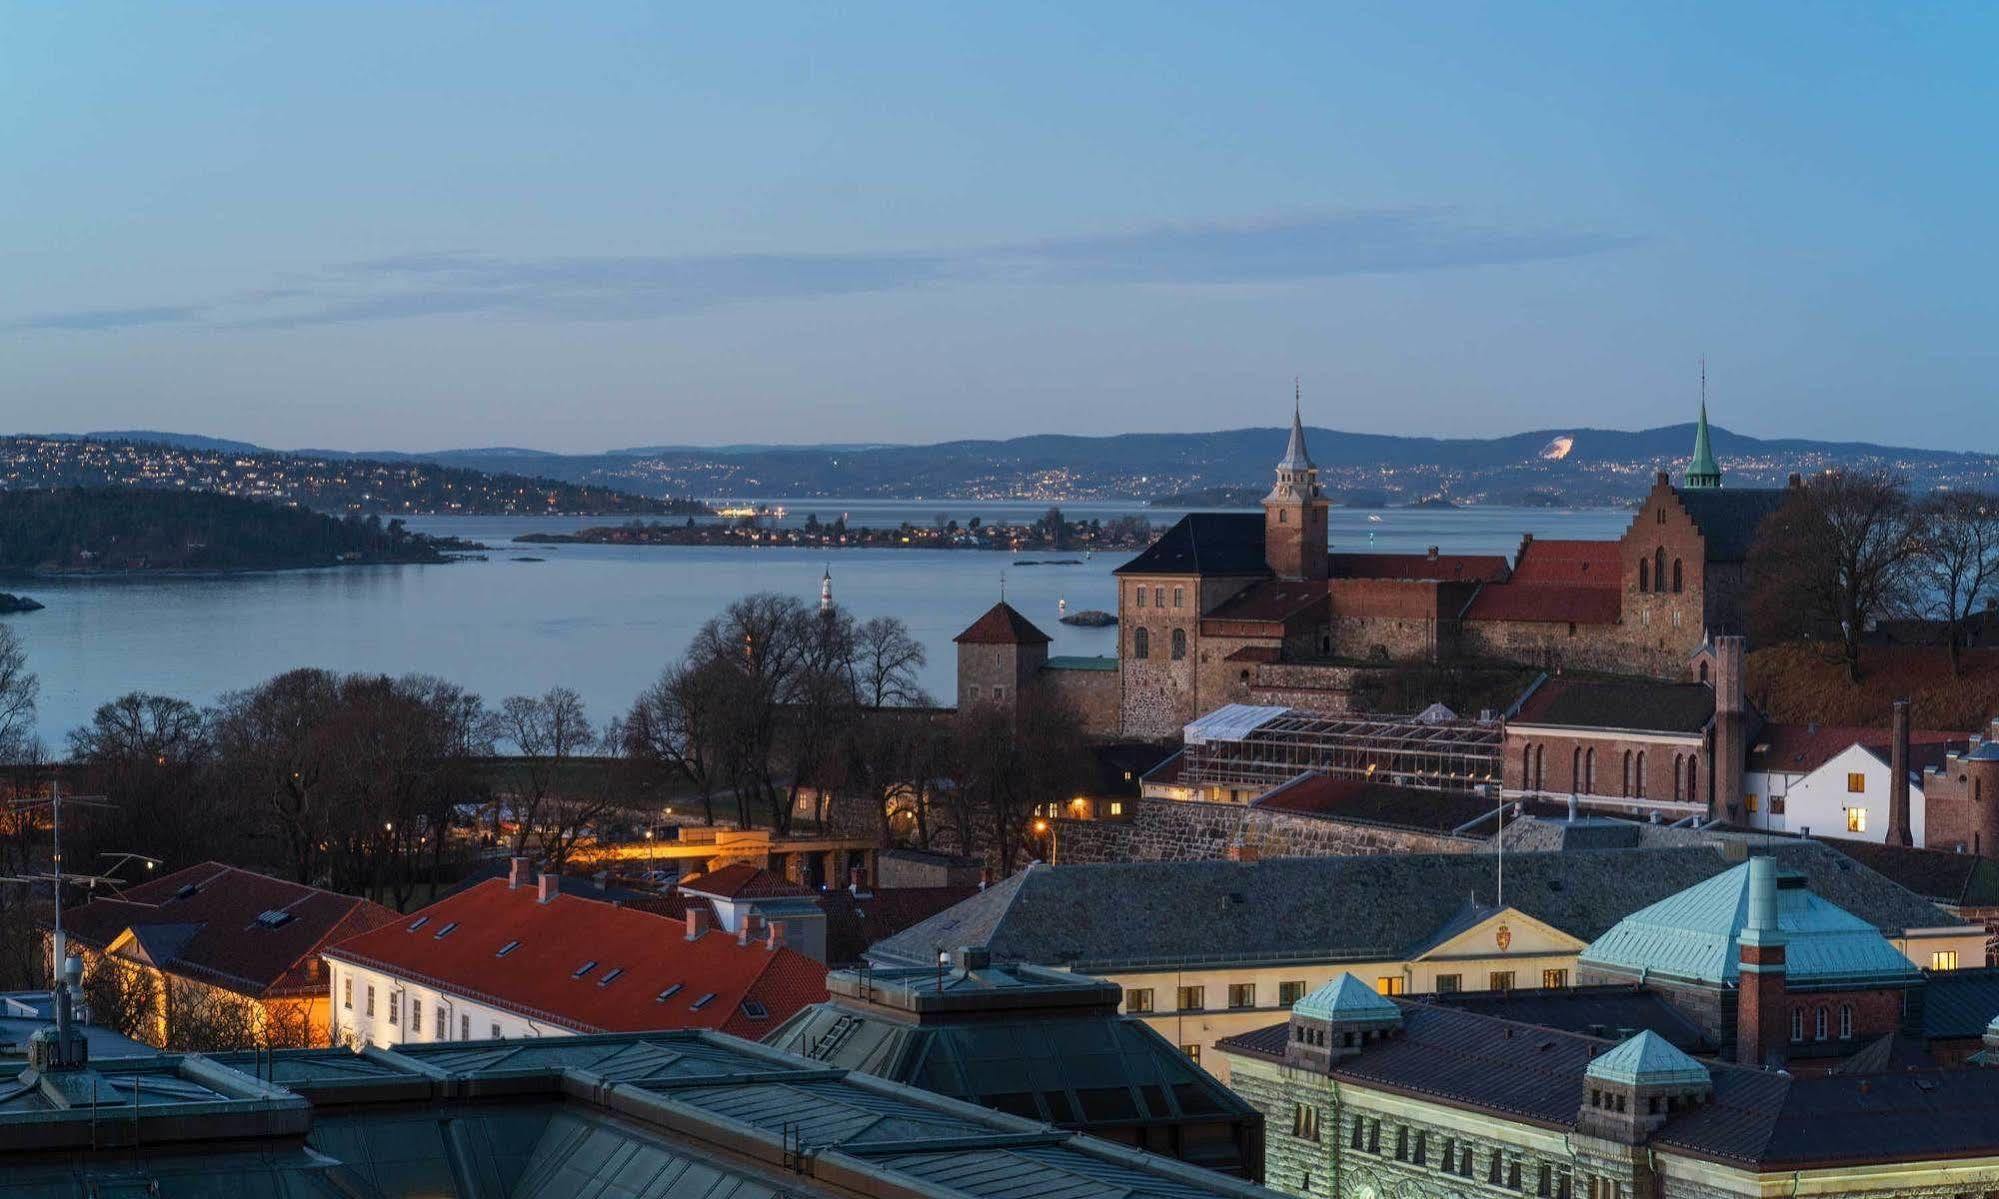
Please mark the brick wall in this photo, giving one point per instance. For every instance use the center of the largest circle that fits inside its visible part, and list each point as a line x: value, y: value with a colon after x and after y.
x: 1390, y: 618
x: 1562, y: 774
x: 1164, y: 830
x: 1961, y: 806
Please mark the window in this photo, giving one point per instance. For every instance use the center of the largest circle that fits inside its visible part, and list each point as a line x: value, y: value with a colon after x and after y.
x: 444, y: 932
x: 1179, y: 644
x: 1389, y: 984
x: 1540, y: 767
x: 1589, y: 771
x: 1500, y: 980
x: 1117, y: 807
x: 416, y: 1018
x: 584, y: 969
x: 347, y: 992
x: 999, y: 693
x: 1626, y: 788
x: 418, y: 923
x: 1359, y: 1133
x: 508, y: 948
x: 1193, y: 1053
x: 611, y: 976
x: 1749, y: 802
x: 1283, y: 517
x: 1846, y: 1022
x: 1797, y: 1024
x: 1450, y: 984
x: 1159, y: 597
x: 395, y: 1006
x: 1192, y: 999
x: 1659, y: 568
x: 1678, y: 778
x: 1776, y: 805
x: 1554, y: 978
x: 1141, y: 643
x: 1139, y: 596
x: 1818, y: 1025
x: 369, y: 1010
x: 1289, y: 993
x: 1943, y: 959
x: 496, y: 1031
x: 1242, y: 994
x: 1402, y: 1143
x: 1179, y: 596
x: 464, y: 1028
x: 1644, y: 584
x: 1638, y: 777
x: 702, y: 1002
x: 1305, y: 1122
x: 1693, y: 778
x: 1856, y: 820
x: 974, y: 692
x: 1138, y: 999
x: 1856, y: 783
x: 667, y: 994
x: 1676, y: 576
x: 443, y: 1024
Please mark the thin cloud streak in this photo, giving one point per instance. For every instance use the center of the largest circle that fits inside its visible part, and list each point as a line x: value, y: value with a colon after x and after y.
x: 1299, y: 249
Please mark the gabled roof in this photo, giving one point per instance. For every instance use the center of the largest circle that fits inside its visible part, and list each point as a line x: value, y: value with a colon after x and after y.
x: 1633, y: 704
x: 1547, y: 603
x: 1348, y: 1000
x: 201, y: 922
x: 1803, y: 748
x: 1363, y: 908
x: 741, y: 881
x: 1573, y: 562
x: 1647, y: 1059
x: 1694, y: 934
x: 646, y: 973
x: 1456, y: 568
x: 1002, y: 625
x: 1210, y: 543
x: 1728, y: 517
x: 1957, y: 879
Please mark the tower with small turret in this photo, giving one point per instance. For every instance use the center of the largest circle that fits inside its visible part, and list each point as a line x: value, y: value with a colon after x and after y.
x: 1295, y: 512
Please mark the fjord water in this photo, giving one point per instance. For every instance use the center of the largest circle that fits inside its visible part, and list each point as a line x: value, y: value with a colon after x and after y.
x: 602, y: 619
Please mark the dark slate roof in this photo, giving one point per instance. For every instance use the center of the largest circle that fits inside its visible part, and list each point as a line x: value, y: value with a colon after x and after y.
x: 1428, y: 568
x: 1002, y: 625
x: 1957, y: 879
x: 1606, y: 1011
x: 1620, y: 704
x: 1761, y: 1120
x: 1960, y: 1003
x: 1130, y: 915
x: 1728, y: 517
x: 1213, y: 543
x: 1384, y: 803
x: 854, y: 922
x: 1273, y: 600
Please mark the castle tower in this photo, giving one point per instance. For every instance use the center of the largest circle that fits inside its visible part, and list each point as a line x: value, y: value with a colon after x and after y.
x: 1703, y: 471
x: 1295, y: 511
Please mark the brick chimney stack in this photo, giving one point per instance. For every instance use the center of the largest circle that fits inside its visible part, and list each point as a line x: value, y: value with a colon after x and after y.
x: 550, y: 886
x: 1760, y: 1023
x: 517, y: 873
x: 1900, y: 829
x: 775, y: 940
x: 1731, y: 734
x: 697, y: 922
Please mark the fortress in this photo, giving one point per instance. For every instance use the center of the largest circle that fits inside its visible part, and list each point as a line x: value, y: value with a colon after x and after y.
x: 1229, y: 607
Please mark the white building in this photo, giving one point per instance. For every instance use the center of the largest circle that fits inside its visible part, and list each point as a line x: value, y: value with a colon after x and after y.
x: 1834, y: 781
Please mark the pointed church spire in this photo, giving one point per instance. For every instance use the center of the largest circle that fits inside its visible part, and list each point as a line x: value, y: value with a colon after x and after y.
x: 1295, y: 457
x: 1703, y: 471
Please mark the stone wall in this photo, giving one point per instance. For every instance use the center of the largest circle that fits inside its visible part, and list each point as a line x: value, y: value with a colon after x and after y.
x: 1550, y: 645
x: 1095, y: 695
x: 1165, y: 830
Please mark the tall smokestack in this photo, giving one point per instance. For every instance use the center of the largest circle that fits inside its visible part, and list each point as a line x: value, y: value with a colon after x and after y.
x: 1731, y: 719
x: 1900, y: 830
x: 1760, y: 1010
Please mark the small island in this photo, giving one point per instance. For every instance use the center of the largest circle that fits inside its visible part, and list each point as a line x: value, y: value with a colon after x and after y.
x: 11, y: 604
x: 103, y: 530
x: 1089, y: 618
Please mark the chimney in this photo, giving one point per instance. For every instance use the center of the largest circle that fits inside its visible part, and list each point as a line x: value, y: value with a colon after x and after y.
x: 1898, y: 779
x: 1731, y: 733
x: 1433, y: 553
x: 697, y: 921
x: 1760, y: 1020
x: 985, y: 877
x: 1661, y: 479
x: 1575, y: 807
x: 517, y: 873
x: 551, y: 886
x: 775, y: 940
x: 746, y: 929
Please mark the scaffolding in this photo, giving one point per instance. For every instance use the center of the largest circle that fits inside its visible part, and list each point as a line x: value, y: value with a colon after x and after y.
x: 1260, y: 748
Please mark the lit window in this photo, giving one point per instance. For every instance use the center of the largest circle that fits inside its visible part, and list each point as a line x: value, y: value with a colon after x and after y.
x: 1389, y: 984
x: 1117, y: 807
x: 1554, y: 978
x: 1749, y: 801
x: 1138, y: 999
x: 1499, y: 980
x: 1856, y: 783
x: 1193, y: 1053
x: 1856, y: 820
x: 1943, y: 959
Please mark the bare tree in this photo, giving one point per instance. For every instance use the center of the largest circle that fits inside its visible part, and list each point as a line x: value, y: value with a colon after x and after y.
x: 547, y: 733
x: 152, y: 757
x: 677, y: 730
x: 1956, y: 562
x: 19, y: 688
x: 274, y: 741
x: 1835, y: 557
x: 887, y: 661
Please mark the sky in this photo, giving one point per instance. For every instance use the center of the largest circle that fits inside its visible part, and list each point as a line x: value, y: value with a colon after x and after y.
x: 578, y: 227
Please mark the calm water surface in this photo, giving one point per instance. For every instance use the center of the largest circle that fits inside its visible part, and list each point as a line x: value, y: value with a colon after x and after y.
x: 601, y: 619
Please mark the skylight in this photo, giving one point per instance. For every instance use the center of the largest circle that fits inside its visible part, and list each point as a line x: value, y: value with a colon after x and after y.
x: 667, y: 994
x: 418, y: 923
x: 755, y: 1010
x: 584, y: 969
x: 273, y: 918
x: 610, y: 977
x: 508, y: 948
x: 444, y: 932
x: 702, y: 1002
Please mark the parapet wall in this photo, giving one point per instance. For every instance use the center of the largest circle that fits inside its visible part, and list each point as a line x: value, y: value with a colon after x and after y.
x: 1167, y: 830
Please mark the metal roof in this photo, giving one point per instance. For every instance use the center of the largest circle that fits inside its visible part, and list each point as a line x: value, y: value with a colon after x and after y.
x: 1647, y: 1059
x: 1230, y: 722
x: 1349, y: 1001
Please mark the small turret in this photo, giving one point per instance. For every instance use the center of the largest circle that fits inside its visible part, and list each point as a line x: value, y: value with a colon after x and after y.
x: 1636, y: 1087
x: 1337, y: 1021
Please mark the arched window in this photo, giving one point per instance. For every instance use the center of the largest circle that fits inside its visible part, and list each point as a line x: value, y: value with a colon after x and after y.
x: 1644, y: 575
x: 1659, y: 569
x: 1797, y: 1024
x: 1141, y: 643
x: 1638, y: 777
x: 1526, y: 768
x: 1589, y: 771
x: 1977, y: 790
x: 1576, y: 768
x: 1703, y: 670
x: 1677, y: 777
x: 1818, y: 1025
x: 1676, y: 576
x: 1846, y: 1022
x: 1540, y: 767
x: 1179, y: 644
x: 1693, y: 778
x: 1283, y: 517
x: 1624, y: 787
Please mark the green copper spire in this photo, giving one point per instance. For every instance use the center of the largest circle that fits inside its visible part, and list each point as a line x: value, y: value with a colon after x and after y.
x: 1703, y: 471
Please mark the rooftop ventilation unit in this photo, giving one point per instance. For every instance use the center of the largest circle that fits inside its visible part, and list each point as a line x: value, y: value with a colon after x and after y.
x: 273, y: 918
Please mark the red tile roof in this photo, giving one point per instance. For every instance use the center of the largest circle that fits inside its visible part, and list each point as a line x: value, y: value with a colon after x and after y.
x: 1582, y: 563
x: 1553, y: 603
x: 1489, y: 568
x: 1002, y: 625
x: 1802, y: 748
x: 220, y: 940
x: 538, y: 979
x: 742, y: 881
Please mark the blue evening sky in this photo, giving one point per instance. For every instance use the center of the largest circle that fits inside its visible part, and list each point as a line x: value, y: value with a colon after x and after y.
x: 591, y: 225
